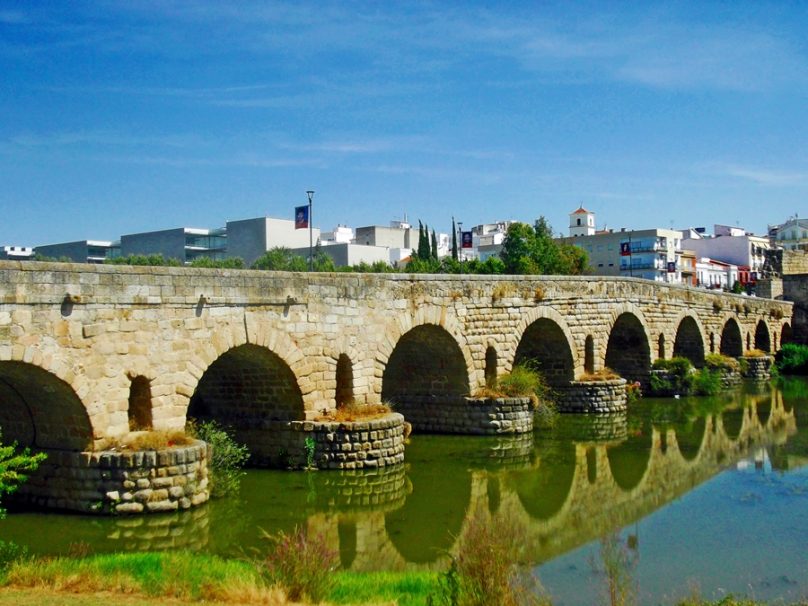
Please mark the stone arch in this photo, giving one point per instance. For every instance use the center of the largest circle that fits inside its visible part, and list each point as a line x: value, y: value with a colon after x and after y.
x: 689, y: 342
x: 661, y: 346
x: 731, y: 339
x: 786, y: 334
x: 589, y: 354
x: 435, y: 317
x: 545, y: 347
x: 262, y: 335
x: 344, y: 392
x: 490, y: 366
x: 550, y: 314
x: 140, y: 403
x: 762, y: 337
x: 252, y: 390
x: 40, y: 410
x: 628, y: 352
x: 426, y: 361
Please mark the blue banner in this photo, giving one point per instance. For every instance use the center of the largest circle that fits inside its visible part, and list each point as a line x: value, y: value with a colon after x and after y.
x: 301, y: 217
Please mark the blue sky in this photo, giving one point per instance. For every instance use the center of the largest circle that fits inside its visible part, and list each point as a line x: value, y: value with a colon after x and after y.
x: 121, y: 117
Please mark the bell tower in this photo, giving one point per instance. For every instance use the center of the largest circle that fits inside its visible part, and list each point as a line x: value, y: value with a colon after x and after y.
x: 582, y: 222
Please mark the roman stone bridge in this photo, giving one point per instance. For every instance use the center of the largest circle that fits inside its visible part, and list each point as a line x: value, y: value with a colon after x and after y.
x: 89, y: 353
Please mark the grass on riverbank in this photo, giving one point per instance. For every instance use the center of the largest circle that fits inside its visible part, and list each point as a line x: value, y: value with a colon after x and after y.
x: 192, y: 577
x: 170, y: 579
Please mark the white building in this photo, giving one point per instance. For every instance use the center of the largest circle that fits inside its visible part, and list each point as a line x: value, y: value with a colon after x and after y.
x: 16, y: 253
x: 251, y: 238
x: 716, y: 274
x: 341, y: 234
x: 791, y: 235
x: 731, y: 245
x: 582, y: 223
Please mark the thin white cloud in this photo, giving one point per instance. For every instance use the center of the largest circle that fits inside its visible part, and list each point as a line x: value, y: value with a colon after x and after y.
x: 102, y: 138
x: 764, y: 176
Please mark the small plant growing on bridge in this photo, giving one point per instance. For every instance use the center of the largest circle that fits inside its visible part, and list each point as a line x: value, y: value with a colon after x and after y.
x: 755, y: 353
x: 353, y: 411
x: 792, y: 359
x: 604, y: 374
x: 310, y: 446
x: 229, y: 457
x: 717, y: 361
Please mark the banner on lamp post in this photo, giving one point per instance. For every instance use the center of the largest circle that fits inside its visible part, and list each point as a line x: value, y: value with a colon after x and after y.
x: 301, y: 217
x: 466, y: 240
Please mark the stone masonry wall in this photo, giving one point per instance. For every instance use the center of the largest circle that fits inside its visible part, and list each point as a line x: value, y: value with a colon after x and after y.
x: 593, y: 397
x: 470, y: 416
x: 758, y: 367
x: 95, y: 327
x: 120, y: 482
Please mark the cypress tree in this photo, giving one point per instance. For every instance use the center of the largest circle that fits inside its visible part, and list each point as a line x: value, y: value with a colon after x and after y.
x: 454, y: 240
x: 434, y: 246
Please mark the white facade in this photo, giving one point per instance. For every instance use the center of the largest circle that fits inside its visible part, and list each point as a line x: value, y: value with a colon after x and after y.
x: 735, y: 247
x: 16, y: 253
x: 582, y: 223
x: 791, y: 235
x: 341, y: 234
x: 251, y: 238
x: 716, y: 274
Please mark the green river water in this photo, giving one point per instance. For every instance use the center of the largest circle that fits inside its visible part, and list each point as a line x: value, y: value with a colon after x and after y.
x: 706, y: 494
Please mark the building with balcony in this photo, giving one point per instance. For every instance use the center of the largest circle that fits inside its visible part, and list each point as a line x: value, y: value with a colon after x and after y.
x: 182, y: 243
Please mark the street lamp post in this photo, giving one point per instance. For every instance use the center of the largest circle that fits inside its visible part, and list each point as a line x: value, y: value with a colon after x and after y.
x: 310, y: 194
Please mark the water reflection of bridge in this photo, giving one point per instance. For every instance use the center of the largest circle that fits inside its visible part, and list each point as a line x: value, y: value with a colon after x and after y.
x: 570, y: 493
x: 562, y: 492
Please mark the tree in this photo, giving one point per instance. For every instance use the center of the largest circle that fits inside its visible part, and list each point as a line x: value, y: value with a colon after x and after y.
x: 532, y: 250
x: 14, y: 467
x: 423, y: 252
x: 280, y: 259
x: 434, y: 246
x: 454, y: 240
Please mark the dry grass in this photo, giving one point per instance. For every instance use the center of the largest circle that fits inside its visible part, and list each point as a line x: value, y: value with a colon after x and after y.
x: 604, y: 374
x: 755, y: 353
x: 147, y: 440
x: 352, y: 412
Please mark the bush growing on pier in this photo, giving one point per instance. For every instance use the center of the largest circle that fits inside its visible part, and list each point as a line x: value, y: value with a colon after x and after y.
x: 717, y: 361
x: 523, y: 381
x: 678, y: 376
x: 228, y: 460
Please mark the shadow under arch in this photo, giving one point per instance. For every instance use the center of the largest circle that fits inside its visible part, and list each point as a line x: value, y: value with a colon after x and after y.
x: 544, y: 345
x: 628, y: 461
x: 731, y: 340
x: 689, y: 342
x: 763, y: 340
x: 249, y: 388
x: 426, y: 361
x: 732, y: 421
x: 628, y: 352
x: 40, y: 410
x: 786, y: 335
x: 544, y: 490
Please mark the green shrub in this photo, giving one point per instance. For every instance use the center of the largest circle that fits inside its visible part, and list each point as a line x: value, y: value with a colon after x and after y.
x: 679, y: 377
x: 302, y: 565
x: 706, y: 382
x: 717, y: 361
x: 228, y: 457
x: 792, y: 359
x: 524, y: 381
x: 14, y: 467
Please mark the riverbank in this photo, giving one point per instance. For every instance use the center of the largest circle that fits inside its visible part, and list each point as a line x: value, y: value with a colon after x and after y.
x: 177, y: 579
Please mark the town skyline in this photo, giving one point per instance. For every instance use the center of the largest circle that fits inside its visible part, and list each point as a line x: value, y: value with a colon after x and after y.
x: 123, y: 119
